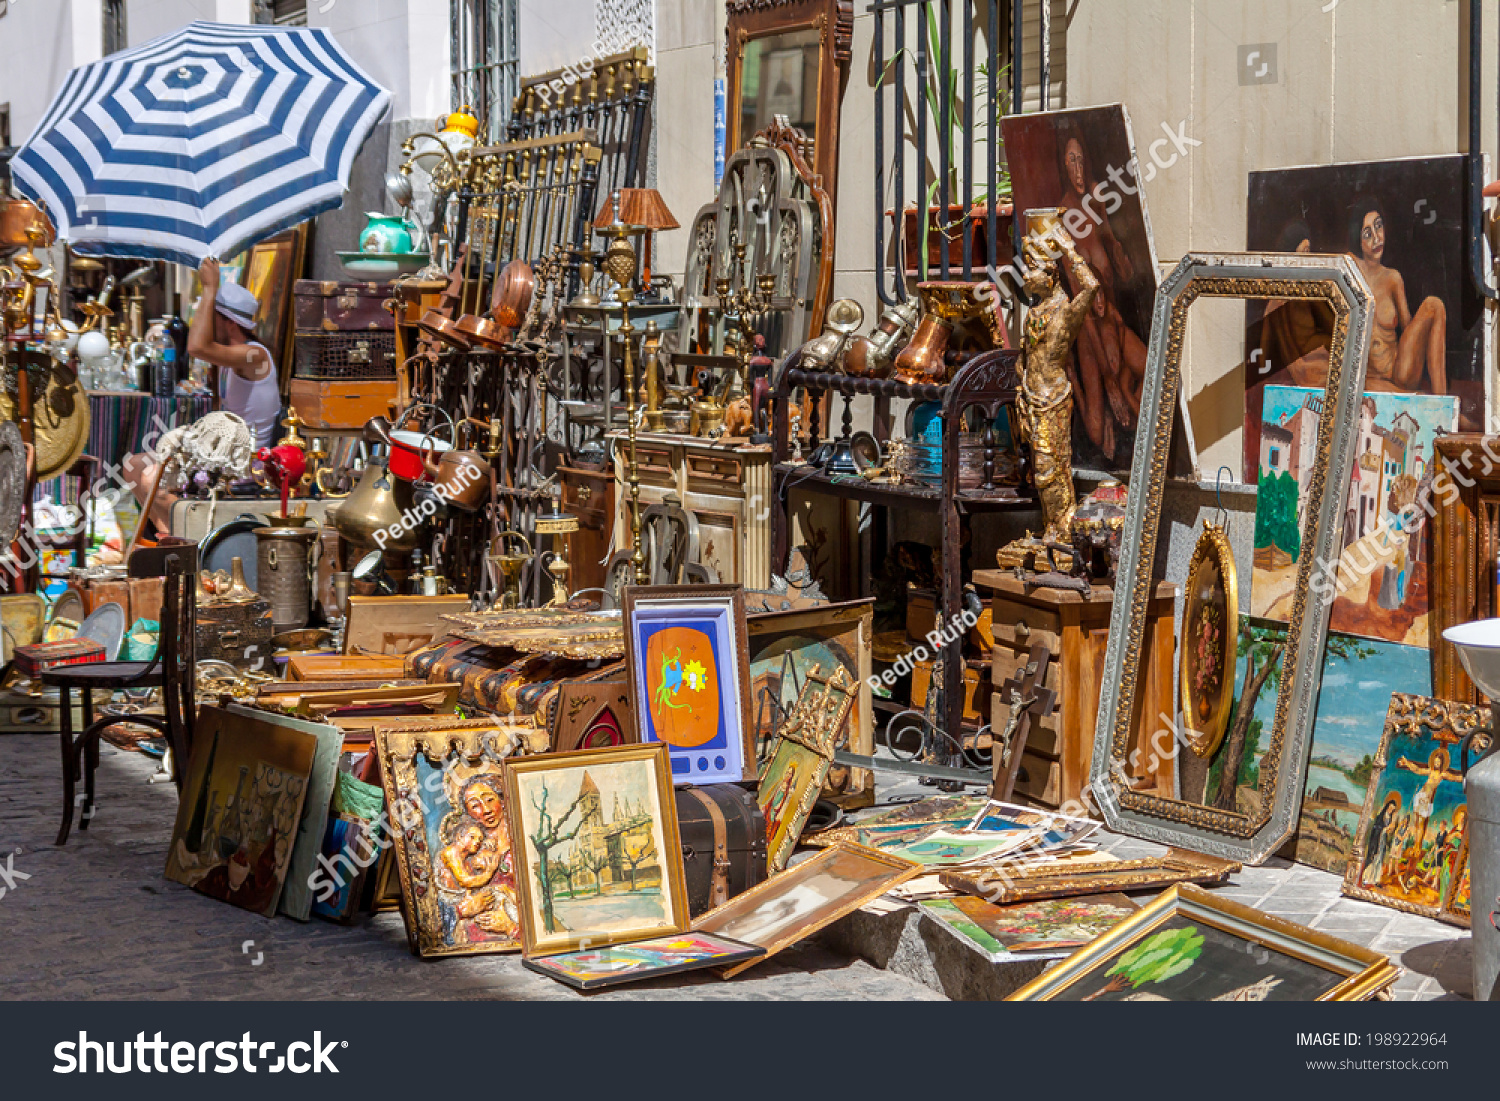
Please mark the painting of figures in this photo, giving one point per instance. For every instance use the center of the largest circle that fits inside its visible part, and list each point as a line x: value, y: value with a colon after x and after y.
x: 452, y: 839
x: 600, y: 858
x: 240, y: 808
x: 1409, y: 849
x: 1380, y: 585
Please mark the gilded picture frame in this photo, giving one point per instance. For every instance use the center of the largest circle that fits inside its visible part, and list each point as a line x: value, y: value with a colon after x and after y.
x: 1336, y: 282
x: 1210, y: 632
x: 431, y: 778
x: 1263, y: 944
x: 583, y: 829
x: 1089, y: 875
x: 1411, y: 847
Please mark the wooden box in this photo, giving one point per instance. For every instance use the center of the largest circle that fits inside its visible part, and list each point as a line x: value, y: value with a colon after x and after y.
x: 590, y: 496
x: 1060, y: 749
x: 397, y: 625
x: 341, y: 667
x: 340, y: 404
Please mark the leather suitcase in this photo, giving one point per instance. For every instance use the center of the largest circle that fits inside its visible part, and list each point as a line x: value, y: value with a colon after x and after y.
x: 338, y: 404
x: 723, y: 843
x: 333, y: 307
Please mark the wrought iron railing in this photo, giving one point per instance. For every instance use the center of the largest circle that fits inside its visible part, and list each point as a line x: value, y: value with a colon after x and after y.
x: 921, y: 94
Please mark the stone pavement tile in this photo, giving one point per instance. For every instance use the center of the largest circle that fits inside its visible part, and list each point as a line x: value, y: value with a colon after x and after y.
x: 1367, y: 926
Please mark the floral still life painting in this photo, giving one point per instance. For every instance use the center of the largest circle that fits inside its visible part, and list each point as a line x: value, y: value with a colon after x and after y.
x: 1411, y: 846
x: 595, y: 968
x: 600, y: 860
x: 452, y: 839
x: 1045, y: 929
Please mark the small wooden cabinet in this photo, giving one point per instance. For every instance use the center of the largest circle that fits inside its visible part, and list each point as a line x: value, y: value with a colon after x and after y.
x: 590, y: 496
x: 1060, y: 749
x: 726, y: 485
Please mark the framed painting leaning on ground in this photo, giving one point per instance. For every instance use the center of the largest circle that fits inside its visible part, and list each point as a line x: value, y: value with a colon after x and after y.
x: 1190, y: 946
x: 599, y: 856
x: 1411, y: 847
x: 688, y: 662
x: 1238, y: 820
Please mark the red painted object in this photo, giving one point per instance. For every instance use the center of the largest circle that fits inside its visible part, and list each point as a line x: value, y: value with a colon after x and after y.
x: 34, y: 660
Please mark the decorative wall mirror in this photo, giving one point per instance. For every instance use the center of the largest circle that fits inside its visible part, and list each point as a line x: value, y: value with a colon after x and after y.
x: 790, y: 58
x: 1221, y: 812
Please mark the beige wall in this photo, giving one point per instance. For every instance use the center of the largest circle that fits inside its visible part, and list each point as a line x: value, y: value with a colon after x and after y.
x: 1366, y: 80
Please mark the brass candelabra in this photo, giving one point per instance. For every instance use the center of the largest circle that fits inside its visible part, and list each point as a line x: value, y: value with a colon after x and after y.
x: 620, y: 265
x: 743, y: 306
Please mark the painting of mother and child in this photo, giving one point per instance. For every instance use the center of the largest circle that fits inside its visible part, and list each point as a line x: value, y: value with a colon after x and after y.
x: 595, y: 851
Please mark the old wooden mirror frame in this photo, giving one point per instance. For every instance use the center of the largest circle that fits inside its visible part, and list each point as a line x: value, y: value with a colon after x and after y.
x: 833, y: 21
x: 1335, y: 281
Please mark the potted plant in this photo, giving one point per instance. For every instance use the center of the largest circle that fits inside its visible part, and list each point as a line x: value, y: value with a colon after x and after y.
x: 925, y: 233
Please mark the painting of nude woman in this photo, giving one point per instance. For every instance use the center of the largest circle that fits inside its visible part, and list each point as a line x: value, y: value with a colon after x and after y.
x: 1080, y: 161
x: 1402, y: 222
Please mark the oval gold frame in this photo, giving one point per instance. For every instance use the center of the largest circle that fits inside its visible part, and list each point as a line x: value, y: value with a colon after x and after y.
x: 1212, y: 563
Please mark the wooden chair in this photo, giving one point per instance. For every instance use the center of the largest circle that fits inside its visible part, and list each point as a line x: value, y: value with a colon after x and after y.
x: 171, y: 670
x: 669, y: 540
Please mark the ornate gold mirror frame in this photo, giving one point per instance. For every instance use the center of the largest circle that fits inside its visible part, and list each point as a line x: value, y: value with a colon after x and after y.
x: 1335, y: 281
x: 833, y: 20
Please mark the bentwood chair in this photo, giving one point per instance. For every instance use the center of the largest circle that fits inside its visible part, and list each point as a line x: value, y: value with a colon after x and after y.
x: 171, y: 670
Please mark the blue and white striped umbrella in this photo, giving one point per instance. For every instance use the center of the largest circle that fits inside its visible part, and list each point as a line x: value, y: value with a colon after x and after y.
x: 201, y: 142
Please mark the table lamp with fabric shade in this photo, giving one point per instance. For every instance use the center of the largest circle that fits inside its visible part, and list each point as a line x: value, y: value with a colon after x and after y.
x: 637, y: 206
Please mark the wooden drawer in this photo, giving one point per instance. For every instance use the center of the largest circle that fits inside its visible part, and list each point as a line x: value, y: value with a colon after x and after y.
x: 720, y: 474
x: 653, y: 463
x: 1040, y: 779
x: 1019, y: 626
x: 721, y: 535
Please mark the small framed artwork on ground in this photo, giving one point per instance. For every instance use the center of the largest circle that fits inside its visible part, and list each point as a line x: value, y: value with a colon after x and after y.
x: 596, y: 968
x: 1411, y: 847
x: 803, y: 899
x: 686, y: 654
x: 1189, y: 946
x: 599, y: 857
x: 446, y: 798
x: 799, y: 764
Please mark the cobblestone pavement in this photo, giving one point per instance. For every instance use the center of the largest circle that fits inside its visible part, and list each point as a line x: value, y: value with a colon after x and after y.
x: 96, y: 919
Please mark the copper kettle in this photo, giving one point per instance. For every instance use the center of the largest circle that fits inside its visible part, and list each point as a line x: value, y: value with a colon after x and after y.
x: 462, y: 479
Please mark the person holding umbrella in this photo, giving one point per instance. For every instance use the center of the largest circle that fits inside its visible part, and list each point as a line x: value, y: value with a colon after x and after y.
x: 223, y: 335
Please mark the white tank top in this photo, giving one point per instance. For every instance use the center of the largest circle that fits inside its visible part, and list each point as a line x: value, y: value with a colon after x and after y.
x: 259, y: 402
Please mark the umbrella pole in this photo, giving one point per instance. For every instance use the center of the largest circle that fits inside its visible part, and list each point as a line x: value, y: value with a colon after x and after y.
x: 150, y: 501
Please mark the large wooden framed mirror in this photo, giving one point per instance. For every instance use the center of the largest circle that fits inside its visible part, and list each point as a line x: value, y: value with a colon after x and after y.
x: 790, y: 58
x: 1246, y: 809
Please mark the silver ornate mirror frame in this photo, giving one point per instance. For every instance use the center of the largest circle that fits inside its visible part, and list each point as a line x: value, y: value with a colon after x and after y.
x: 1336, y: 281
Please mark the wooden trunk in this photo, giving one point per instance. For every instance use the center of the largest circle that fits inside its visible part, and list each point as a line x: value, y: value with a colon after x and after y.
x: 323, y: 404
x: 1060, y: 749
x: 724, y: 835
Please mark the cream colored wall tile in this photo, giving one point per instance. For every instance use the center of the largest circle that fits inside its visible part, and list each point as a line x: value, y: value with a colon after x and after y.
x: 682, y: 23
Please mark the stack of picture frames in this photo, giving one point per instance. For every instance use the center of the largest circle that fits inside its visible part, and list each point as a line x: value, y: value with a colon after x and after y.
x: 575, y: 860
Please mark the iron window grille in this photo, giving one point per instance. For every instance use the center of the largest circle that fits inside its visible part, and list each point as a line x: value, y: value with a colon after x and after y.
x: 486, y: 68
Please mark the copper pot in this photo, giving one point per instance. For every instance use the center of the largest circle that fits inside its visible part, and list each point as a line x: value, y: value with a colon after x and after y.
x: 872, y: 356
x: 16, y: 217
x: 513, y: 290
x: 444, y: 329
x: 484, y: 332
x: 921, y: 361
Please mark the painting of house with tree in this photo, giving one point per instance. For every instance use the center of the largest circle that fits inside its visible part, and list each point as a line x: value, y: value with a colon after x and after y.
x: 1380, y: 583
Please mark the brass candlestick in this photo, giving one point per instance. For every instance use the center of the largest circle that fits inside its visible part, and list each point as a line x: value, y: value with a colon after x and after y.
x: 620, y: 265
x: 561, y: 525
x: 650, y: 351
x: 745, y: 307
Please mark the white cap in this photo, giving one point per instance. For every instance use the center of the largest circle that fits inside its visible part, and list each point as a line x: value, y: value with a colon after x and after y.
x: 237, y: 304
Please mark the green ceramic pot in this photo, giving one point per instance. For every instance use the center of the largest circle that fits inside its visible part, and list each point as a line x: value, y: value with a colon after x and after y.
x: 385, y: 233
